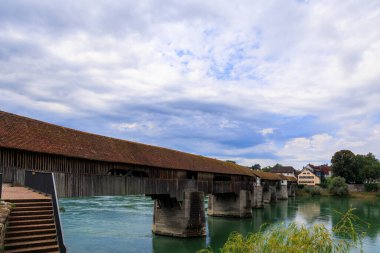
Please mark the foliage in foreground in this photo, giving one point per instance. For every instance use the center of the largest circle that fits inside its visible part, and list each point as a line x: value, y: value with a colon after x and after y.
x: 294, y: 238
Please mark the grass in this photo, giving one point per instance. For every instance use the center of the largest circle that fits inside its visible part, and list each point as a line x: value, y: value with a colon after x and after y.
x: 295, y: 238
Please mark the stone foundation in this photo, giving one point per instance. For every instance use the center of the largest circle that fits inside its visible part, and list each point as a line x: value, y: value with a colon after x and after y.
x: 257, y: 196
x: 180, y: 218
x: 5, y: 209
x: 282, y: 193
x: 269, y: 194
x: 230, y: 205
x: 292, y: 190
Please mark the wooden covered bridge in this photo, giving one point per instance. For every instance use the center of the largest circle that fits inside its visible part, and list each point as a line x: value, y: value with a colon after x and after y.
x: 85, y: 164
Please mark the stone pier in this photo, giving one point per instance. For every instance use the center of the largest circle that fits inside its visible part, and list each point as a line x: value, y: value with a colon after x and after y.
x: 269, y: 193
x: 179, y: 218
x: 257, y: 196
x: 292, y: 190
x: 230, y: 204
x: 282, y: 192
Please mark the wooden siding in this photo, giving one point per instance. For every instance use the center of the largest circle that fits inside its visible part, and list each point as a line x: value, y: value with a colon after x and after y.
x: 70, y: 185
x: 13, y: 158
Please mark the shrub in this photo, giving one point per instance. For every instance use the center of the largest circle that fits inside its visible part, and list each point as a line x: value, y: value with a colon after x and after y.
x: 307, y: 189
x: 371, y: 187
x: 298, y: 239
x: 324, y: 183
x: 315, y: 191
x: 300, y: 186
x: 338, y: 186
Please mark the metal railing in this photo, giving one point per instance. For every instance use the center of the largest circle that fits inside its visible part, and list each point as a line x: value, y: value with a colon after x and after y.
x: 44, y: 182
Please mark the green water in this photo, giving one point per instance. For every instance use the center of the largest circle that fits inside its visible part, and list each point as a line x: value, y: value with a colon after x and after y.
x: 123, y: 224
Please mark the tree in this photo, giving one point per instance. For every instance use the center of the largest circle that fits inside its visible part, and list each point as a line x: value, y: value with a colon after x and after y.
x: 256, y: 167
x: 368, y: 166
x: 230, y: 161
x: 338, y: 186
x: 267, y: 169
x: 343, y: 164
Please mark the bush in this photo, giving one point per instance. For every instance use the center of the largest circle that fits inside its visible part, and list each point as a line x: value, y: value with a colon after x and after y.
x: 298, y: 239
x: 324, y: 183
x: 315, y: 191
x: 338, y: 186
x: 300, y: 186
x: 371, y: 187
x: 307, y: 189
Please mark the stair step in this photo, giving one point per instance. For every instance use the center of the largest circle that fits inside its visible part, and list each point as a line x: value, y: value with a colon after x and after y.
x: 15, y: 201
x: 30, y: 217
x: 30, y: 227
x: 19, y: 245
x: 15, y: 223
x: 32, y: 208
x: 28, y: 238
x: 30, y: 213
x: 29, y: 204
x: 12, y: 234
x: 42, y: 249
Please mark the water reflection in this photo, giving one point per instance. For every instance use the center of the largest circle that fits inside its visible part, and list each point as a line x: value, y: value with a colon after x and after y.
x: 169, y: 244
x: 123, y: 224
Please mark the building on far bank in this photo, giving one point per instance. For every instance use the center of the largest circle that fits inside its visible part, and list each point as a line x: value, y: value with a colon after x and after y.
x: 321, y: 171
x: 307, y: 177
x: 284, y: 170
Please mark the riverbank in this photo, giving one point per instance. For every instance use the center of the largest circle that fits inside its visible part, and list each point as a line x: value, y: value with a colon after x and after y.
x: 326, y: 193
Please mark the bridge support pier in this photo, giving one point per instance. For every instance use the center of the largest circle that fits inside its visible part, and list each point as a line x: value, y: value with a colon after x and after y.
x: 269, y: 194
x: 257, y: 196
x: 292, y: 190
x: 179, y: 218
x: 230, y: 204
x: 282, y: 192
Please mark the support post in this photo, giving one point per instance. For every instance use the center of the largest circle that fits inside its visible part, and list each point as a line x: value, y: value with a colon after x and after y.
x: 257, y: 196
x: 282, y: 193
x: 292, y: 190
x: 179, y: 218
x: 230, y: 204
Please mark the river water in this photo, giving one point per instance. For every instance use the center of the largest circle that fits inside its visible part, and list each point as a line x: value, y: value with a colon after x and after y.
x: 123, y: 224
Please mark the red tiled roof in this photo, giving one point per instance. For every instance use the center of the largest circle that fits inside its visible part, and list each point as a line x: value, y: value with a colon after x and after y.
x: 267, y: 175
x: 283, y: 169
x: 23, y: 133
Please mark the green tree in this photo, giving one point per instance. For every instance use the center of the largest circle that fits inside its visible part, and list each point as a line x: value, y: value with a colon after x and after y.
x: 256, y: 167
x: 267, y: 169
x: 368, y: 166
x: 338, y: 186
x: 343, y: 164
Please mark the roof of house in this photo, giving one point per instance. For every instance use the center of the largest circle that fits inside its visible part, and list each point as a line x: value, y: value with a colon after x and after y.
x: 267, y: 175
x: 283, y: 169
x: 324, y: 168
x: 18, y: 132
x: 308, y: 171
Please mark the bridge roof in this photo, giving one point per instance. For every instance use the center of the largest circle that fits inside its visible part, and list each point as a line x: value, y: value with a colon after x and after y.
x: 267, y: 175
x: 18, y: 132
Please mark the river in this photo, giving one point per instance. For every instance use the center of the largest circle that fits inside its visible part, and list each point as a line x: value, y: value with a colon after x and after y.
x: 123, y: 224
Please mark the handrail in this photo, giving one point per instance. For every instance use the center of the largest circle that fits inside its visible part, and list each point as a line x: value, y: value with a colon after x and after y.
x: 45, y: 183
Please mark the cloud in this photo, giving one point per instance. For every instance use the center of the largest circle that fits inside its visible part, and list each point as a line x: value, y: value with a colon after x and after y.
x: 266, y: 131
x: 287, y: 82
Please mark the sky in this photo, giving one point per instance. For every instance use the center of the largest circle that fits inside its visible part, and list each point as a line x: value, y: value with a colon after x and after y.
x: 262, y: 81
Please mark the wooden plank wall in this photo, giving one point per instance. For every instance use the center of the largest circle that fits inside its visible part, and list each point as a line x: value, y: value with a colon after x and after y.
x: 70, y: 185
x: 12, y: 158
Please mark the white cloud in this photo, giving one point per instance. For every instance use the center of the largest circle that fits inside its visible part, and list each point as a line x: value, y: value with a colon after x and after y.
x: 266, y: 131
x: 202, y: 70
